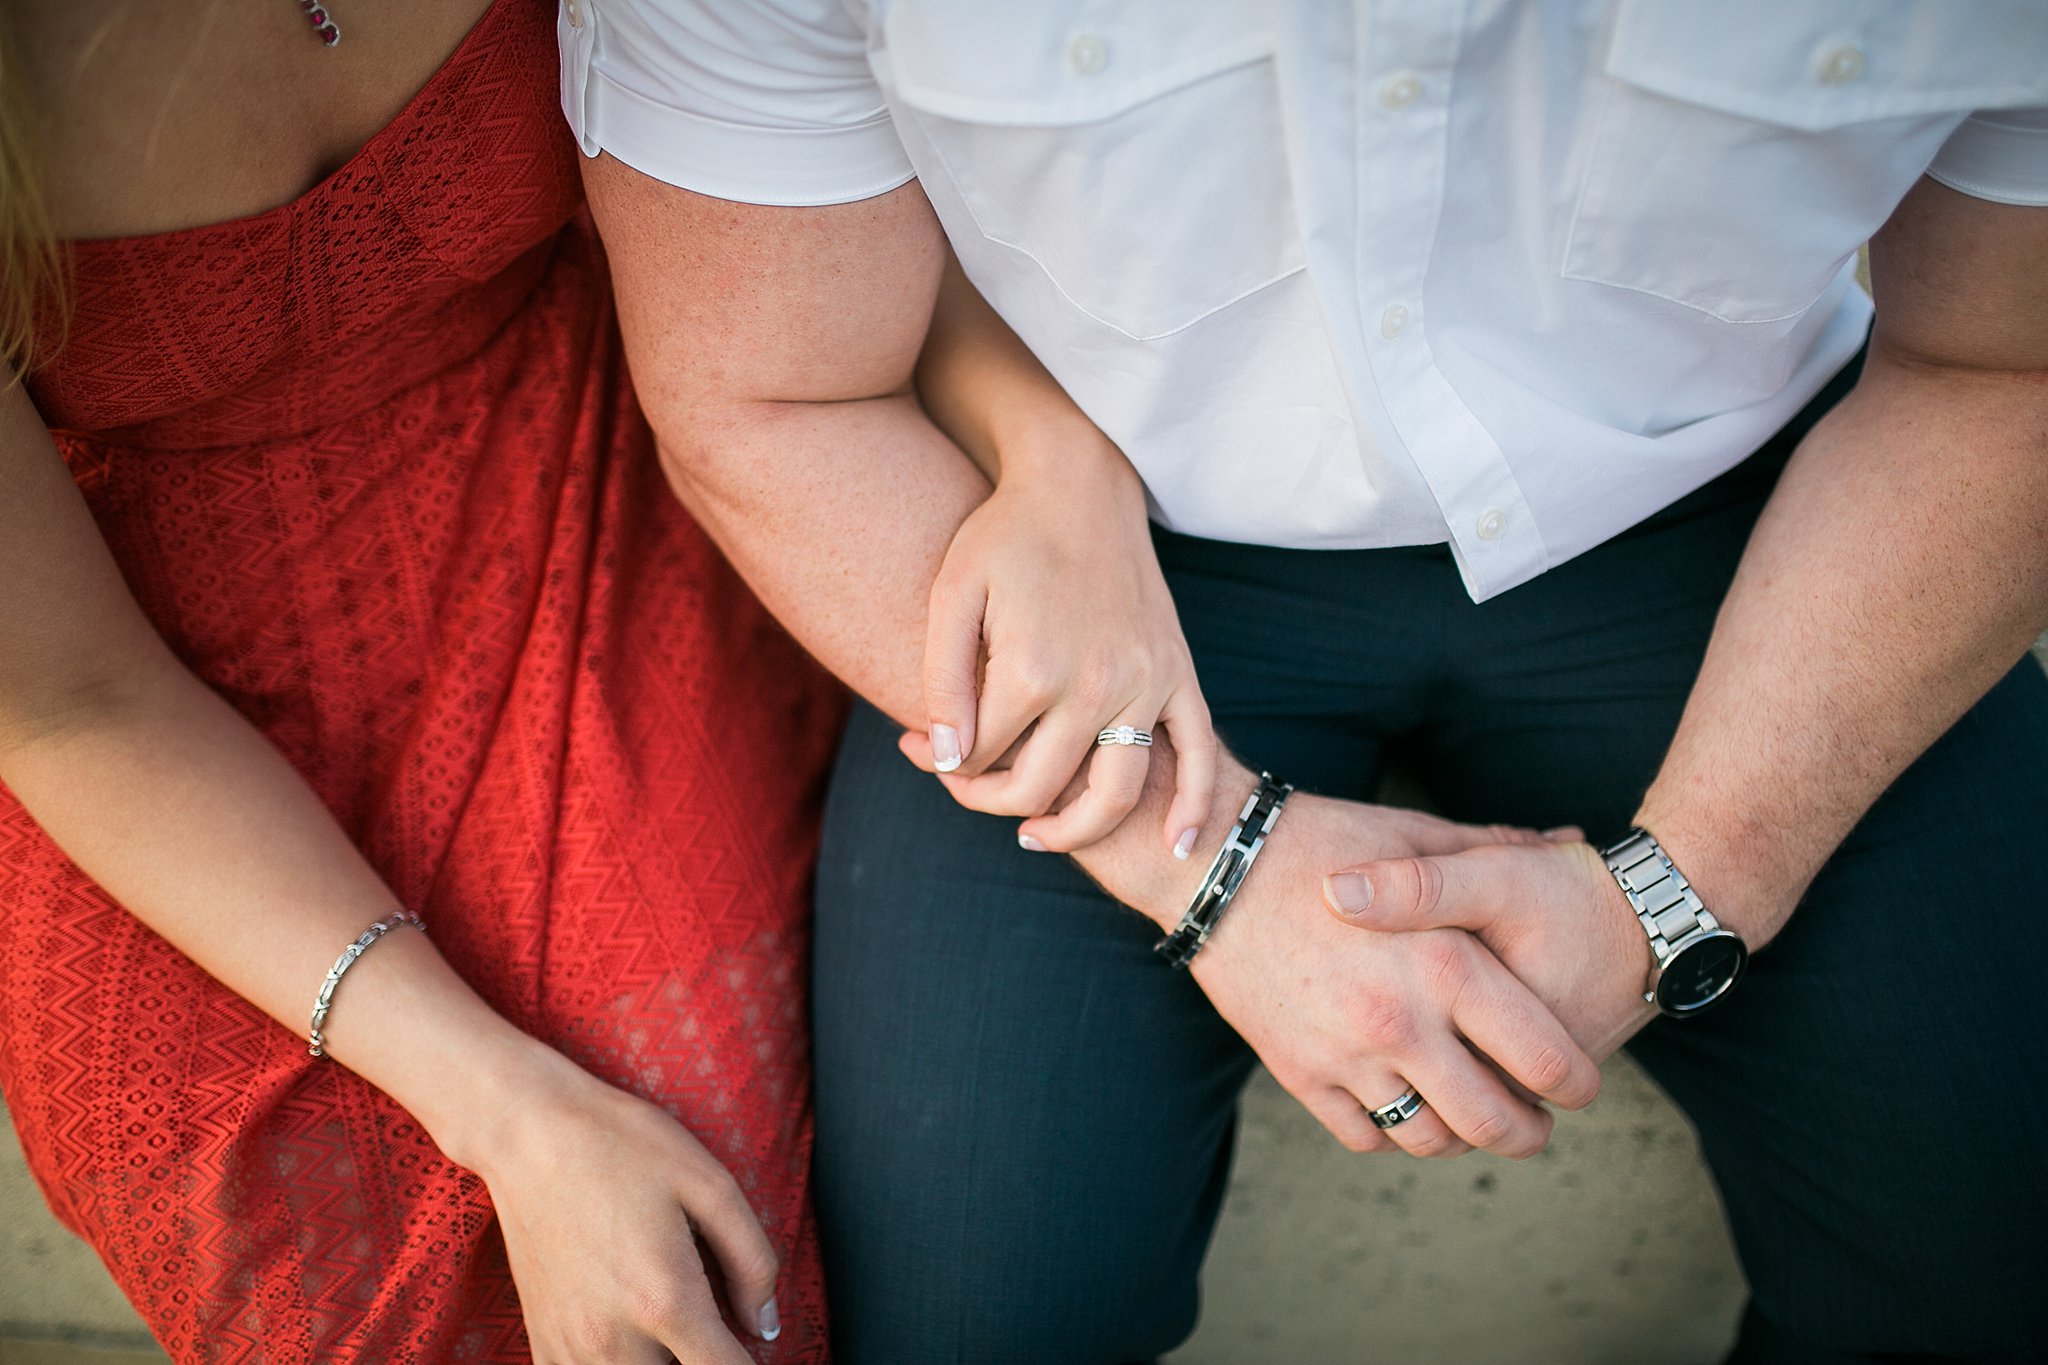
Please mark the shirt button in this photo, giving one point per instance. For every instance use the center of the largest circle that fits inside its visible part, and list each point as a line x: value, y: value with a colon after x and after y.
x: 1401, y: 90
x: 575, y: 14
x: 1843, y: 65
x: 1086, y: 54
x: 1491, y: 523
x: 1393, y: 322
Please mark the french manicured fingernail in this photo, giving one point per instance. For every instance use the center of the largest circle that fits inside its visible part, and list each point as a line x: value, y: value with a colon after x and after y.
x: 1348, y: 891
x: 1186, y: 843
x: 1029, y: 844
x: 771, y: 1321
x: 945, y: 748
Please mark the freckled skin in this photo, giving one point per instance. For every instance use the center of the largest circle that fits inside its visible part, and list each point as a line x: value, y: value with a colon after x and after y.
x: 1840, y: 654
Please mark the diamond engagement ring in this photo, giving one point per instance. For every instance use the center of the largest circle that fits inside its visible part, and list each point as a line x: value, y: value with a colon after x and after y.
x: 1397, y: 1112
x: 1124, y: 734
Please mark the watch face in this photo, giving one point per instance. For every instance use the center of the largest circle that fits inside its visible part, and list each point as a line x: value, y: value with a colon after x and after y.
x: 1701, y: 973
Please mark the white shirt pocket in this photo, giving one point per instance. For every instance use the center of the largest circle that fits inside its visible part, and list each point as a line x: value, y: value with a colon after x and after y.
x: 1743, y: 149
x: 1134, y: 152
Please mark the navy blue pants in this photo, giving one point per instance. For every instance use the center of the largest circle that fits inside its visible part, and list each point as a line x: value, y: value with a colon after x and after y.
x: 1025, y: 1119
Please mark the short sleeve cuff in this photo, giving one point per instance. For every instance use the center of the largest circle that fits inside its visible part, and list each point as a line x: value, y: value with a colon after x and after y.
x: 777, y: 166
x: 2000, y: 155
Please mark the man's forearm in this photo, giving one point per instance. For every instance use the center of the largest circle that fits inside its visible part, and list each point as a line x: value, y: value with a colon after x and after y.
x: 774, y: 358
x: 873, y: 494
x: 838, y: 516
x: 1898, y: 571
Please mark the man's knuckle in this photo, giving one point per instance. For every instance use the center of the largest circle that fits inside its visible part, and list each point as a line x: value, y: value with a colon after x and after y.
x: 1031, y: 798
x: 1429, y: 885
x: 1066, y: 838
x: 970, y: 798
x: 1582, y: 1089
x: 1387, y: 1024
x: 1446, y: 960
x: 995, y: 799
x: 1122, y: 789
x: 1525, y: 1142
x: 1492, y: 1131
x: 712, y: 1194
x: 1428, y: 1145
x: 1548, y: 1069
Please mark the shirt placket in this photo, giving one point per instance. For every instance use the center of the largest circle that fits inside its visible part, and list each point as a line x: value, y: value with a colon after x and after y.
x: 576, y: 40
x: 1408, y: 51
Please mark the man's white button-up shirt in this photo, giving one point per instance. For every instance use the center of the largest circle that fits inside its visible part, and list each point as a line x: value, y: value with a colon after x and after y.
x: 1508, y: 275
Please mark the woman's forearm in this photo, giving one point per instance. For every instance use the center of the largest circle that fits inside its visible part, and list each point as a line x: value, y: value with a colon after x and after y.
x: 188, y: 817
x: 984, y: 388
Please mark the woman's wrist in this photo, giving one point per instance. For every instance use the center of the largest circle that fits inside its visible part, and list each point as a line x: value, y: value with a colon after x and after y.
x: 1133, y: 864
x: 502, y: 1081
x: 414, y: 1029
x: 1064, y: 449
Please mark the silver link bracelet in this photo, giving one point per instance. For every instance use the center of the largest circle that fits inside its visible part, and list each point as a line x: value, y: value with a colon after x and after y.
x: 347, y: 960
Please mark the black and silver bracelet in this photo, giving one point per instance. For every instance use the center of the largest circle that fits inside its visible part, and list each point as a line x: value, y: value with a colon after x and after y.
x: 1261, y: 812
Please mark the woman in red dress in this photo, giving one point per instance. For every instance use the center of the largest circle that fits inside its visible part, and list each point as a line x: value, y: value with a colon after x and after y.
x: 369, y: 465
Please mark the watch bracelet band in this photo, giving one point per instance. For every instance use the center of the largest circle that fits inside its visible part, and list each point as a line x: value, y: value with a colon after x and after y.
x: 1227, y: 872
x: 1664, y: 901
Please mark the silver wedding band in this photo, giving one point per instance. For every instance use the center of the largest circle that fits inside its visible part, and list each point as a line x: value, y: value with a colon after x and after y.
x: 1397, y: 1112
x: 1124, y: 735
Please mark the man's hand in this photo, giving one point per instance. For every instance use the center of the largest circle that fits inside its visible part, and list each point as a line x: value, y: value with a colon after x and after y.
x: 1348, y: 1021
x: 1550, y: 912
x: 1897, y: 572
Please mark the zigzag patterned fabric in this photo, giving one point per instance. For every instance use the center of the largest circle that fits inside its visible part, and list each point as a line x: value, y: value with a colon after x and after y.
x: 371, y: 463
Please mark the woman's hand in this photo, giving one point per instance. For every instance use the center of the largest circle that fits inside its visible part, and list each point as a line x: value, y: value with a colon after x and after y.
x: 602, y: 1197
x: 1050, y: 622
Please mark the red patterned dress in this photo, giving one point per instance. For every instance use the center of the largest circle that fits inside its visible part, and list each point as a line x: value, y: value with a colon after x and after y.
x: 371, y: 463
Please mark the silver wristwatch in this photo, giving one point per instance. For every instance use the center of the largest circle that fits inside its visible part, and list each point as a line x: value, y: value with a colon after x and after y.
x: 1693, y: 960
